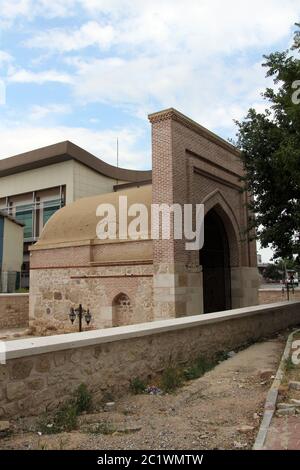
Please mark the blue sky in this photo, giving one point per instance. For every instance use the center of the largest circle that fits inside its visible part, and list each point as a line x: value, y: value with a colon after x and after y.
x: 92, y: 70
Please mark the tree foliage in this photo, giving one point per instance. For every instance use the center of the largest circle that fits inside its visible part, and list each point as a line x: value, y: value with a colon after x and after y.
x: 272, y: 271
x: 270, y: 145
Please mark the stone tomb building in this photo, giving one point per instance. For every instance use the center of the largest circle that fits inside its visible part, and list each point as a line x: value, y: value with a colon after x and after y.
x: 125, y: 281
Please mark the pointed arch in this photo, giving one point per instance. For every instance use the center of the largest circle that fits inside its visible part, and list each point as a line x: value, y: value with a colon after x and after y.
x: 217, y: 201
x: 122, y: 310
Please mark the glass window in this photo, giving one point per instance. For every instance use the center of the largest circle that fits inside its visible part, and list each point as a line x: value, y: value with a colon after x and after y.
x: 49, y: 208
x: 24, y: 215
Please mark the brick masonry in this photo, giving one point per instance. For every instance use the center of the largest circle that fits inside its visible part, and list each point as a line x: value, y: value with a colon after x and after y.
x: 14, y: 311
x: 43, y: 372
x: 190, y: 165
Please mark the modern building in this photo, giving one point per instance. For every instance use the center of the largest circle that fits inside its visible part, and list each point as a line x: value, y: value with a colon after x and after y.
x: 125, y: 281
x: 11, y: 253
x: 34, y: 185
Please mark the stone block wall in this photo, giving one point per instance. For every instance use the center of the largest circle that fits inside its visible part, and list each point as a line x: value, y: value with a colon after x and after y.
x: 14, y: 311
x: 40, y: 373
x: 53, y: 291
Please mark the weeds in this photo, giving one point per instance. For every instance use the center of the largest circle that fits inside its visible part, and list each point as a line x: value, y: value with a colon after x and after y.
x: 83, y: 399
x: 171, y: 379
x: 65, y: 418
x: 198, y: 368
x: 174, y: 377
x: 289, y: 365
x: 137, y: 386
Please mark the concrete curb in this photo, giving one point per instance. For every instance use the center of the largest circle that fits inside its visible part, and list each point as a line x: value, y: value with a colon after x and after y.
x: 270, y: 405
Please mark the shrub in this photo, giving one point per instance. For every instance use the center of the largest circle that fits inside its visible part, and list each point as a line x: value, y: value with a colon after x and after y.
x: 137, y: 386
x: 83, y: 399
x: 65, y: 418
x: 198, y: 368
x: 171, y: 379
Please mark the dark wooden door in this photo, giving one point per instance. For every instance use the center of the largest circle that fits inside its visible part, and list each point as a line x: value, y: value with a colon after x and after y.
x: 214, y: 258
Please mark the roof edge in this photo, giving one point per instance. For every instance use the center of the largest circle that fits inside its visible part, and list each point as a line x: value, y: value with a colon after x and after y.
x: 174, y: 114
x: 63, y: 151
x: 12, y: 219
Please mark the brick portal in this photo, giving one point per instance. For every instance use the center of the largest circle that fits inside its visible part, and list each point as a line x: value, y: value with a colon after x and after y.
x: 160, y: 278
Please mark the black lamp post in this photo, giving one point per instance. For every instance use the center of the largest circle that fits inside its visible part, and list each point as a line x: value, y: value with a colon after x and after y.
x: 80, y: 313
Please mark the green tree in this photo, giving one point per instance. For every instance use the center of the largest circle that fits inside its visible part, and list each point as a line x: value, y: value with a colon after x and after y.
x: 272, y: 272
x: 284, y: 264
x: 270, y: 145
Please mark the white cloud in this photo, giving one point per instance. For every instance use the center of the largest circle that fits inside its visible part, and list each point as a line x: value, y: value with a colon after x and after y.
x: 17, y: 138
x: 212, y: 25
x: 211, y: 95
x: 38, y: 112
x: 194, y: 55
x: 5, y: 58
x: 13, y: 9
x: 61, y: 40
x: 171, y: 53
x: 205, y: 27
x: 27, y: 76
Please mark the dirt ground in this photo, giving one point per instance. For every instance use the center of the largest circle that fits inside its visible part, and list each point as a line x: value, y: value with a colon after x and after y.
x: 220, y: 410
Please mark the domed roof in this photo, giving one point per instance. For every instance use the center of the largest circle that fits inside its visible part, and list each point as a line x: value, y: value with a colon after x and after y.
x: 75, y: 224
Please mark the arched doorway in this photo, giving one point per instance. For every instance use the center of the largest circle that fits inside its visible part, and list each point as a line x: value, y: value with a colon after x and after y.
x: 215, y: 261
x: 122, y: 310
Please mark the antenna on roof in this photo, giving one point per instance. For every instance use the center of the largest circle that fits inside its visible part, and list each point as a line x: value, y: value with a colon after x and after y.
x: 117, y: 156
x: 117, y: 152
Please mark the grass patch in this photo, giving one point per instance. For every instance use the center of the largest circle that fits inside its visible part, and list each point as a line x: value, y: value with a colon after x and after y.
x: 289, y: 365
x: 174, y: 377
x: 83, y: 399
x: 198, y: 368
x: 171, y: 379
x: 65, y: 418
x: 137, y: 386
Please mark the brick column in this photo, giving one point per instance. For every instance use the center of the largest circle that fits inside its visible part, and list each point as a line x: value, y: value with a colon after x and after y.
x: 177, y: 286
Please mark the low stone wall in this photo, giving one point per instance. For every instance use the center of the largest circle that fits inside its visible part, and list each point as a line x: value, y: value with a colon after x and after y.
x: 14, y: 311
x: 267, y: 296
x: 42, y: 372
x: 54, y: 291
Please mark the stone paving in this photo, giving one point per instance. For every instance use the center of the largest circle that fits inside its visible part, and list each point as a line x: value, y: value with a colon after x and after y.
x: 284, y: 434
x: 284, y: 429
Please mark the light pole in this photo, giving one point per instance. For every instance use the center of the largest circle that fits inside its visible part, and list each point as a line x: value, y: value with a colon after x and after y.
x: 80, y: 312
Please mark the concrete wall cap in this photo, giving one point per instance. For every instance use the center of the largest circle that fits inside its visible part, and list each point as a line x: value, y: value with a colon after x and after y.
x: 41, y: 345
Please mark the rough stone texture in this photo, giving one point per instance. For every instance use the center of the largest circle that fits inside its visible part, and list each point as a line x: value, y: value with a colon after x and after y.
x: 294, y: 385
x: 50, y: 378
x: 54, y: 291
x: 14, y: 310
